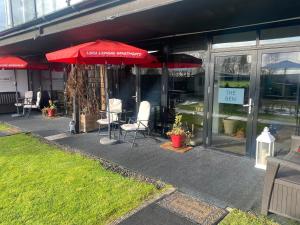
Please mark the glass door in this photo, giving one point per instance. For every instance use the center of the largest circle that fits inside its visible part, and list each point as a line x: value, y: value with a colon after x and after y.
x: 279, y: 96
x: 232, y: 101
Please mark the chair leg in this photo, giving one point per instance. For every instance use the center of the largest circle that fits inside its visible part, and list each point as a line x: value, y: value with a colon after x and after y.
x: 28, y: 113
x: 119, y: 132
x: 114, y: 129
x: 125, y: 135
x: 133, y: 142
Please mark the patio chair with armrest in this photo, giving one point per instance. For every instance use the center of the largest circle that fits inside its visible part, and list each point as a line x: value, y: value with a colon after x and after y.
x: 29, y: 105
x: 28, y: 95
x: 115, y: 108
x: 281, y: 193
x: 141, y: 124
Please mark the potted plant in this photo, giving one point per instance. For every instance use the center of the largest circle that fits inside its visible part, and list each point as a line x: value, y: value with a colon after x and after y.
x: 45, y: 111
x: 229, y: 126
x: 52, y: 109
x: 240, y: 133
x: 178, y: 134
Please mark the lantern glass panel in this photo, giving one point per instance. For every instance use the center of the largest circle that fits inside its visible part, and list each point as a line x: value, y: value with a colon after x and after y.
x: 263, y: 153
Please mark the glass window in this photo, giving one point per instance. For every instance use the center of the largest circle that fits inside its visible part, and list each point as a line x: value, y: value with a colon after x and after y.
x: 279, y: 98
x: 23, y: 11
x: 73, y: 2
x: 186, y: 90
x: 3, y: 23
x: 234, y: 40
x: 59, y: 4
x: 150, y: 85
x: 231, y: 92
x: 280, y: 35
x: 45, y: 7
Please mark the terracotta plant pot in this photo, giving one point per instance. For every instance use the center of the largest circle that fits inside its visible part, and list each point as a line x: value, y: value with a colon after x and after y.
x: 177, y: 140
x: 51, y: 112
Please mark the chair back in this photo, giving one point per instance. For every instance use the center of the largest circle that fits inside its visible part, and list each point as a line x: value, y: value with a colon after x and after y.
x: 28, y: 97
x: 144, y: 113
x: 115, y: 107
x: 38, y: 99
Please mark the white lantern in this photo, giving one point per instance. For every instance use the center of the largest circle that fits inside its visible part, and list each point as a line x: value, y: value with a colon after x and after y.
x: 264, y: 148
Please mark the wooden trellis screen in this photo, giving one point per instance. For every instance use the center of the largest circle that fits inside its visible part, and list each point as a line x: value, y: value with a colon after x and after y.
x: 87, y: 84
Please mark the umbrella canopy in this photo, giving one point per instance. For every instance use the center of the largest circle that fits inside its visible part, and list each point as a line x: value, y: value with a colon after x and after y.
x: 12, y: 62
x: 101, y: 52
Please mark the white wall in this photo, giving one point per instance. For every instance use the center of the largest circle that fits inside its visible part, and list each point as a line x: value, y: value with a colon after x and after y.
x: 7, y: 81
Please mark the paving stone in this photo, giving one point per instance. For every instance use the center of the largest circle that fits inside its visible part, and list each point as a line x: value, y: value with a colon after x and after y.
x: 193, y: 209
x: 156, y: 215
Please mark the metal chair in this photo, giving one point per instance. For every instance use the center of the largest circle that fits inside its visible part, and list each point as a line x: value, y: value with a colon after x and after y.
x: 141, y: 124
x: 115, y: 108
x: 29, y: 104
x: 26, y: 100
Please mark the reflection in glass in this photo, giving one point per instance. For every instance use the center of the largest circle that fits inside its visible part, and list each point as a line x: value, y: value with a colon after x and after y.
x: 73, y: 2
x: 45, y: 7
x: 3, y: 15
x: 241, y: 39
x: 186, y: 91
x: 279, y: 97
x: 23, y: 11
x: 280, y: 35
x: 150, y: 84
x: 231, y: 92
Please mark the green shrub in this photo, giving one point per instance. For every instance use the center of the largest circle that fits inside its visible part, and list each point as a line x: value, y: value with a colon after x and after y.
x: 238, y: 217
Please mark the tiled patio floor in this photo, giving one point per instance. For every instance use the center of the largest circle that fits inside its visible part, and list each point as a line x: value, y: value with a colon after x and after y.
x: 215, y: 177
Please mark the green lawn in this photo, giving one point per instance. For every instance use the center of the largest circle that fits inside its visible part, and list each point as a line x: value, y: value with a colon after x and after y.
x: 237, y: 217
x: 4, y: 127
x: 41, y: 184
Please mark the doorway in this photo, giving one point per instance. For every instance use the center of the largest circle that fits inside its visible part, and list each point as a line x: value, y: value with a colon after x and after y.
x: 231, y: 101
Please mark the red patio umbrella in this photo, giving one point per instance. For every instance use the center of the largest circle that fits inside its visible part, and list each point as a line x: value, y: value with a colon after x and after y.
x: 13, y: 63
x: 10, y: 62
x: 102, y: 52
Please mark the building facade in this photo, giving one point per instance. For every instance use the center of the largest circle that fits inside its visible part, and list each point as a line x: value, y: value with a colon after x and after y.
x: 230, y: 67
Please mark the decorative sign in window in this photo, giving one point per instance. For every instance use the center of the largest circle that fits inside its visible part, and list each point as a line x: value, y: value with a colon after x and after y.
x: 231, y: 96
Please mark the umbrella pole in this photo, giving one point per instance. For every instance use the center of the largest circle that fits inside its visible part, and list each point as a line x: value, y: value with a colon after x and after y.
x: 107, y: 100
x: 17, y: 97
x: 107, y: 140
x: 16, y: 86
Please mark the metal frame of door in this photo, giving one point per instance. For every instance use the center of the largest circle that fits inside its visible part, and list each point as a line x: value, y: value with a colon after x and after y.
x: 252, y: 94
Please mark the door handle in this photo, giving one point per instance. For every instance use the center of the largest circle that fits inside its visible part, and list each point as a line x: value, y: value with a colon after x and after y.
x: 249, y: 105
x: 134, y: 97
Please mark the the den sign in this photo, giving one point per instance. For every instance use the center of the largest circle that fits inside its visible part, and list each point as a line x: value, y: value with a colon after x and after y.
x: 231, y: 96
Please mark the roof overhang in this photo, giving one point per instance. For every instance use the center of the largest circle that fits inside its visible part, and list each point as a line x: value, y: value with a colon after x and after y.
x: 143, y: 20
